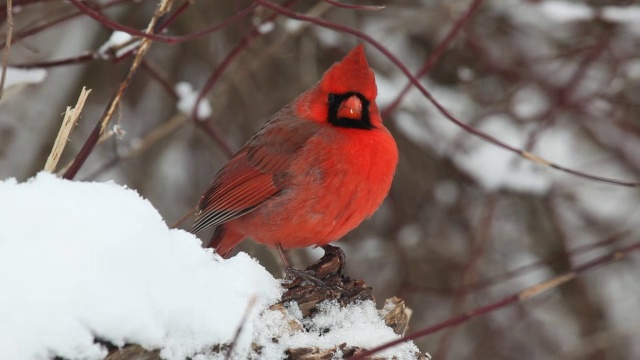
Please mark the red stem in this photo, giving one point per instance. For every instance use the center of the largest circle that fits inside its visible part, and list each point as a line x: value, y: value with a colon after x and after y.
x: 213, y: 79
x: 160, y: 38
x: 34, y: 30
x: 435, y: 56
x: 509, y: 300
x: 353, y: 7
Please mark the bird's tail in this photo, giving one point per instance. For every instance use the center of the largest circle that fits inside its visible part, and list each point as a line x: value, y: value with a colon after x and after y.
x: 224, y: 240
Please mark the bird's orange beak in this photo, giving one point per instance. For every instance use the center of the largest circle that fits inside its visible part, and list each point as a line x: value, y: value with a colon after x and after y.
x: 351, y: 108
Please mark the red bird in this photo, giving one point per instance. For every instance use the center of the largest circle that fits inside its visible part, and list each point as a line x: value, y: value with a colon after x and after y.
x: 314, y: 171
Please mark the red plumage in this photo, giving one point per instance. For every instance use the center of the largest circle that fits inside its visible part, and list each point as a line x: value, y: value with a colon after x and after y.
x: 313, y: 172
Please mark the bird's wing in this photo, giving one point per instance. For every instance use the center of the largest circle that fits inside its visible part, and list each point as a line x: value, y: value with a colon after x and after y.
x: 255, y: 174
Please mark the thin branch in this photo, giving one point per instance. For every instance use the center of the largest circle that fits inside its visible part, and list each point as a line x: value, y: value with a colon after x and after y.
x: 73, y: 60
x: 521, y: 296
x: 103, y: 138
x: 435, y: 56
x: 159, y: 133
x: 213, y: 79
x: 524, y: 269
x: 217, y: 137
x: 244, y: 43
x: 162, y: 81
x: 162, y: 9
x: 228, y: 21
x: 483, y: 237
x: 354, y: 7
x: 175, y: 15
x: 480, y: 134
x: 245, y: 317
x: 79, y: 59
x: 36, y: 29
x: 154, y: 137
x: 152, y: 35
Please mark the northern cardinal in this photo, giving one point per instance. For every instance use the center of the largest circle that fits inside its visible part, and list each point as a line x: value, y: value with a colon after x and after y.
x: 314, y: 171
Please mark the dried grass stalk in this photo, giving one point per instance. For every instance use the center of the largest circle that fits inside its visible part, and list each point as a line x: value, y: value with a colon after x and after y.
x: 71, y: 117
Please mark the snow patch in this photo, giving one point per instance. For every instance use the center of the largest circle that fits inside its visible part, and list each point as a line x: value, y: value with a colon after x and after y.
x: 496, y: 168
x: 119, y: 44
x: 529, y: 102
x: 627, y: 15
x: 410, y: 235
x: 100, y: 262
x: 15, y: 76
x: 293, y: 26
x: 266, y: 27
x: 562, y: 11
x: 632, y: 69
x: 415, y: 129
x: 187, y: 98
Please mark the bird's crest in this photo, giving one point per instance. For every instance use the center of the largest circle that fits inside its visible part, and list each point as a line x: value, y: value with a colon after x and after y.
x: 352, y: 74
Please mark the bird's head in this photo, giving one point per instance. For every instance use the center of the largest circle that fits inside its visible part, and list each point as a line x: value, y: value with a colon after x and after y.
x: 345, y: 96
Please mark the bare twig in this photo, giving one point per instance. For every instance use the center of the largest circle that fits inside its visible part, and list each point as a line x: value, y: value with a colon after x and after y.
x: 87, y: 56
x: 245, y: 317
x: 175, y: 15
x: 163, y: 8
x: 55, y: 21
x: 511, y: 299
x: 468, y: 275
x: 525, y: 269
x: 354, y: 7
x: 71, y: 117
x: 158, y: 134
x: 151, y: 35
x: 141, y: 146
x: 72, y: 60
x: 104, y: 137
x: 441, y: 108
x: 435, y: 56
x: 215, y: 76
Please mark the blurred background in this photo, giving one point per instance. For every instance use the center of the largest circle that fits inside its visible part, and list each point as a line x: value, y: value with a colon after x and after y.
x: 466, y: 224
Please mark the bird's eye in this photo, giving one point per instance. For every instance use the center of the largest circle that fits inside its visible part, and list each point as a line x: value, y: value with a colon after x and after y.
x: 332, y: 98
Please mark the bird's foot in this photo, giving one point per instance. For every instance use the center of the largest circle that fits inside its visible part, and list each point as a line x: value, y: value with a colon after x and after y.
x: 324, y: 273
x: 324, y: 280
x: 291, y: 274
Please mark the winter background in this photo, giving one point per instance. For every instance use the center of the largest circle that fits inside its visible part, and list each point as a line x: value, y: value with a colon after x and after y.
x: 466, y: 223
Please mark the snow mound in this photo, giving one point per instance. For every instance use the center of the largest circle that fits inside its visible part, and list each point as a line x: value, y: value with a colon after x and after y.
x: 81, y: 262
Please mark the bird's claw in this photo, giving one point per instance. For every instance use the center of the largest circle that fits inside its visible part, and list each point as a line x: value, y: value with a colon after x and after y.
x: 291, y: 274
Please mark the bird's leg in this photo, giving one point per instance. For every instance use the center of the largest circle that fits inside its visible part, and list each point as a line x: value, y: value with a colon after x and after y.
x: 283, y: 256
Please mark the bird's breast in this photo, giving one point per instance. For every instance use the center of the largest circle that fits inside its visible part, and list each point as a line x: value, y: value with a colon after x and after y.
x: 335, y: 181
x: 341, y: 178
